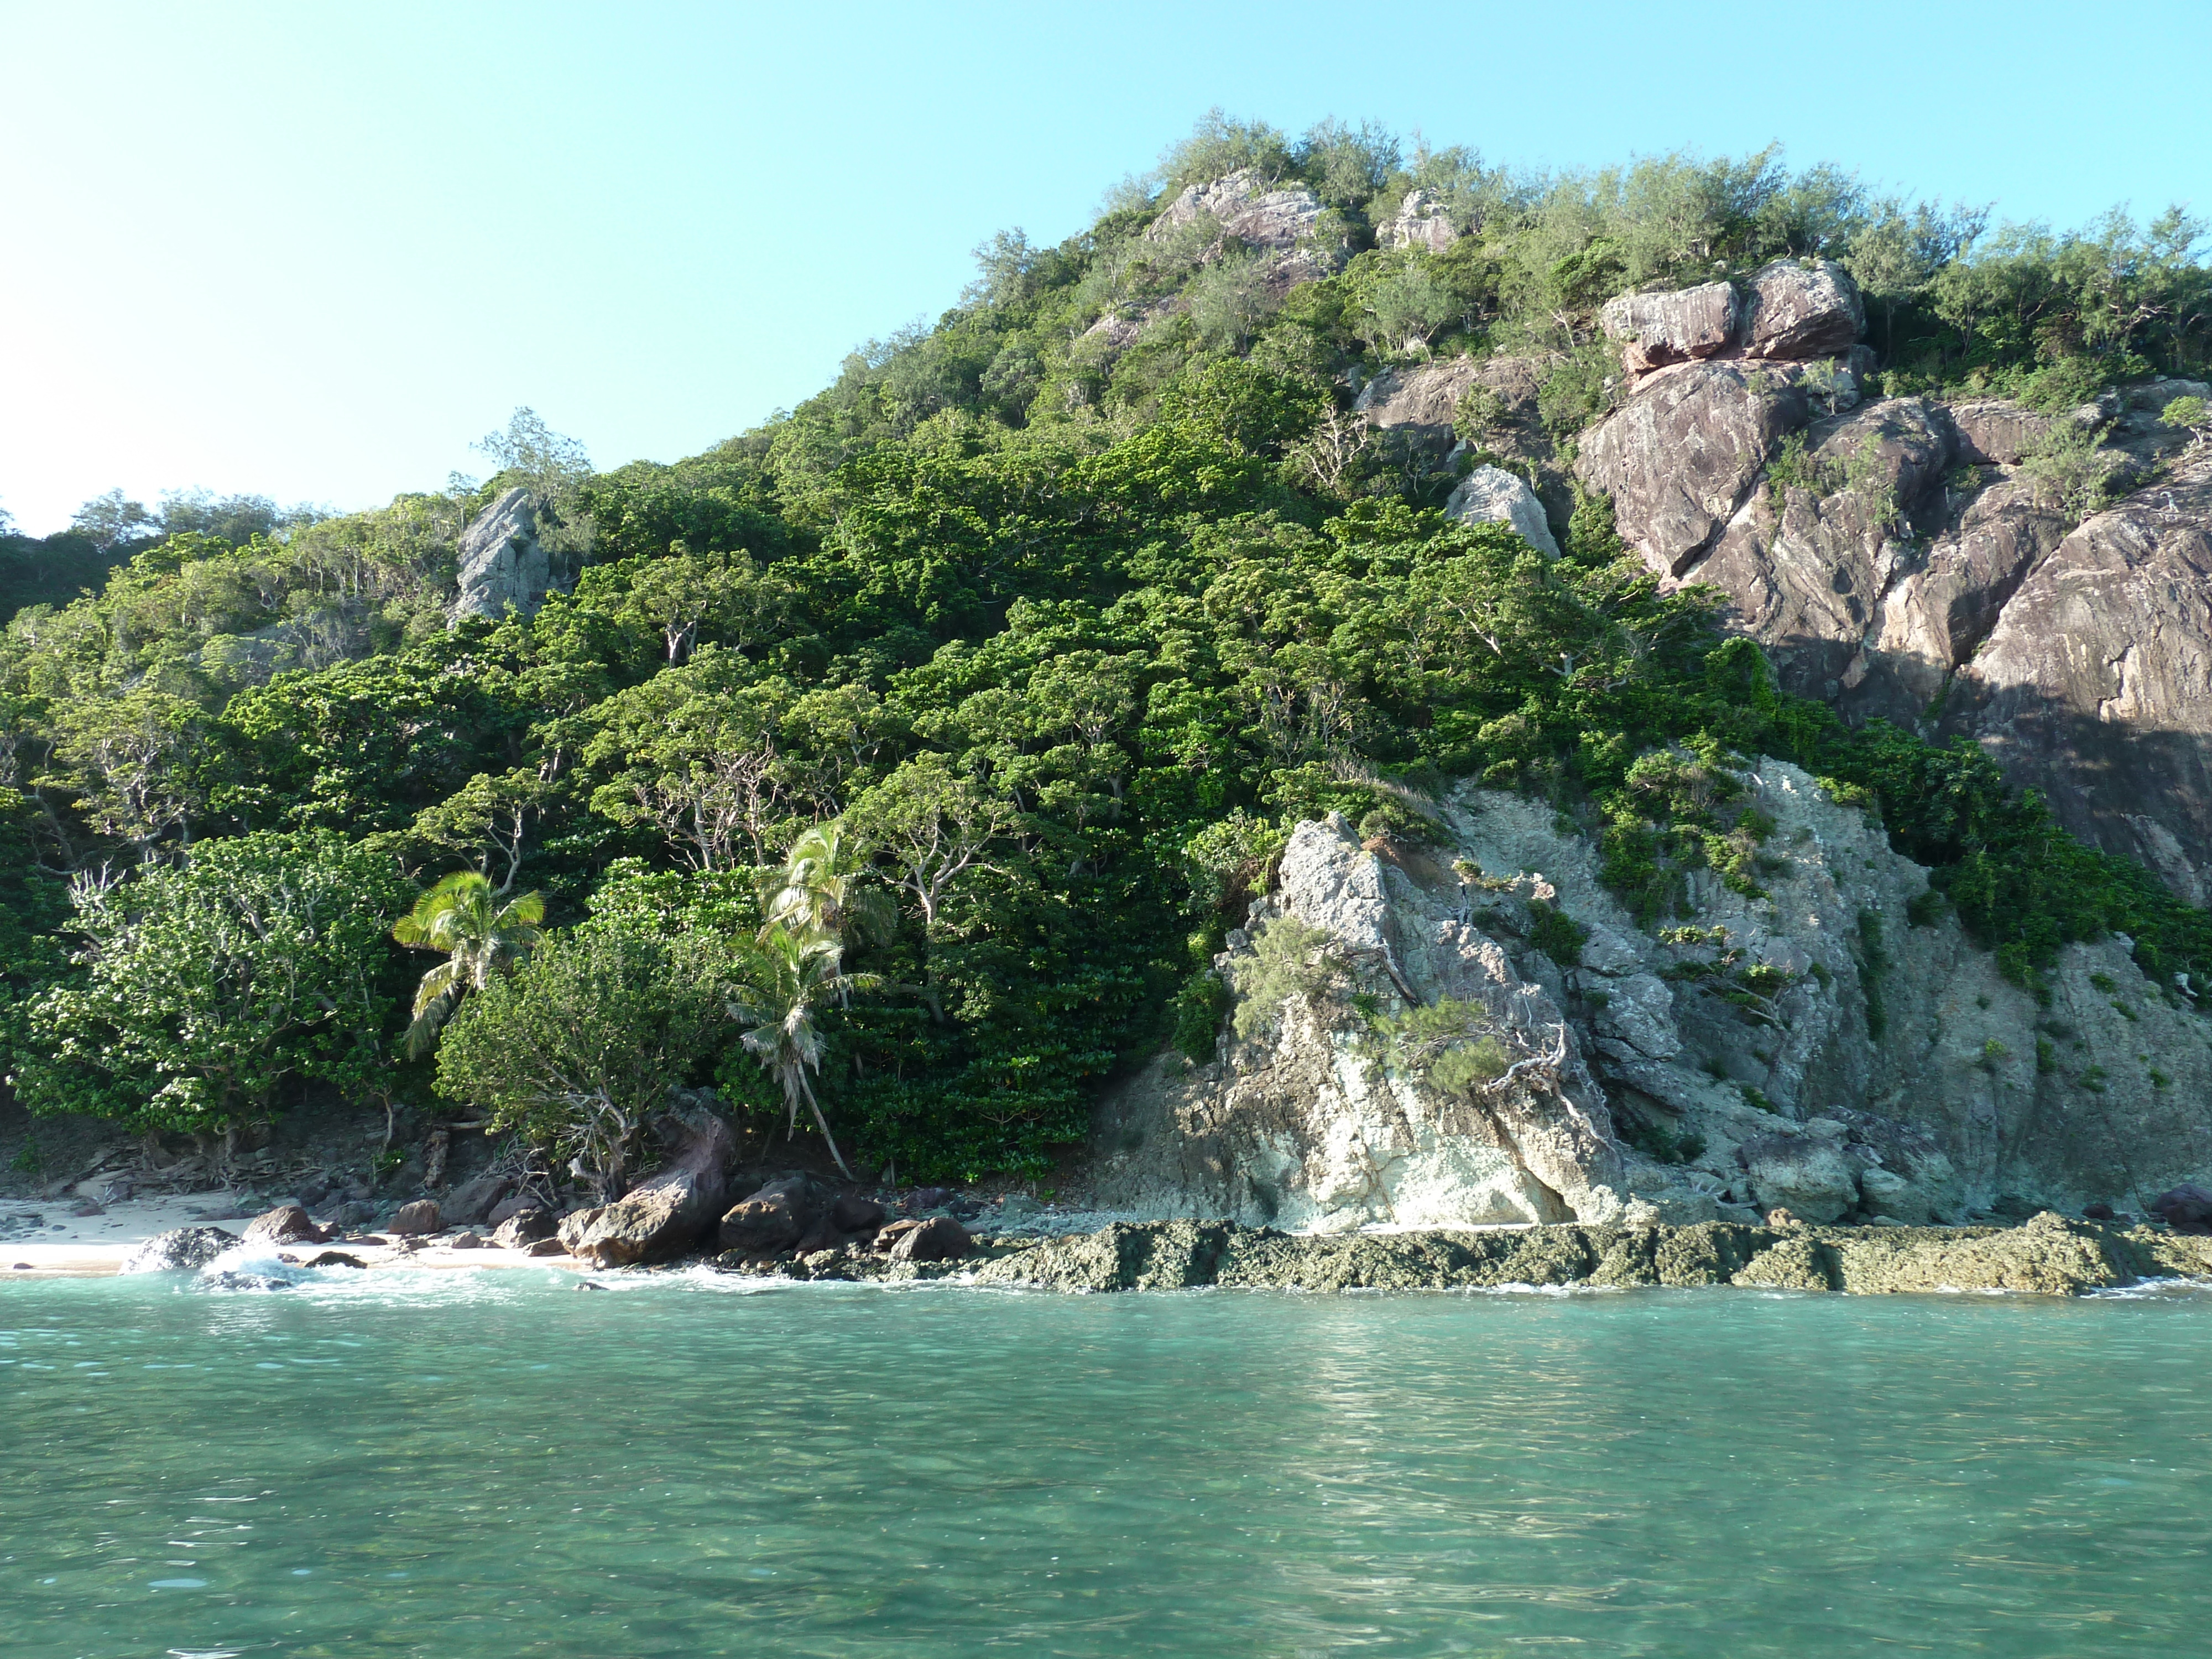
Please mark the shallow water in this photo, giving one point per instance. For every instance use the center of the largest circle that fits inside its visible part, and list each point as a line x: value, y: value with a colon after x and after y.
x: 489, y: 1463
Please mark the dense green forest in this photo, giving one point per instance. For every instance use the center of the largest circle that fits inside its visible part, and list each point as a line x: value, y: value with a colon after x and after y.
x: 1060, y: 625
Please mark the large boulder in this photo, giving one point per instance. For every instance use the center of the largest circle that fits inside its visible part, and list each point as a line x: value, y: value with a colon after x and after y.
x: 419, y: 1219
x: 667, y: 1214
x: 524, y: 1227
x: 288, y: 1224
x: 770, y: 1220
x: 1809, y: 1175
x: 1799, y: 310
x: 1490, y: 493
x: 474, y: 1201
x: 181, y: 1249
x: 503, y: 564
x: 1996, y: 432
x: 1682, y: 454
x: 2187, y: 1208
x: 1655, y: 329
x: 2095, y: 685
x: 940, y: 1238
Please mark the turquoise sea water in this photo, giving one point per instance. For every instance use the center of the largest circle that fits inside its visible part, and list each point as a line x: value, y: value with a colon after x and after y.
x: 496, y: 1463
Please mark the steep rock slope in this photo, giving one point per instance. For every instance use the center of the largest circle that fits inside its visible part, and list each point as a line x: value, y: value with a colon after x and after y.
x: 1806, y: 1047
x: 1901, y: 559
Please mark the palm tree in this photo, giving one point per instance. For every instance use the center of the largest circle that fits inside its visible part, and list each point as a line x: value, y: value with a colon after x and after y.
x: 481, y: 937
x: 789, y: 975
x: 819, y: 891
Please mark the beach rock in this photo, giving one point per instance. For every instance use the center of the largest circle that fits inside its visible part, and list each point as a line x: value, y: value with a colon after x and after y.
x: 769, y: 1220
x: 524, y: 1227
x: 465, y: 1241
x: 854, y: 1212
x: 87, y: 1206
x: 353, y: 1213
x: 1492, y: 494
x: 925, y: 1198
x: 545, y: 1247
x: 474, y: 1201
x: 668, y: 1212
x: 503, y: 564
x: 940, y: 1238
x: 2187, y: 1208
x: 228, y: 1279
x: 1801, y: 309
x: 334, y: 1259
x: 288, y: 1224
x: 513, y: 1205
x: 179, y: 1250
x: 1655, y: 329
x: 420, y: 1217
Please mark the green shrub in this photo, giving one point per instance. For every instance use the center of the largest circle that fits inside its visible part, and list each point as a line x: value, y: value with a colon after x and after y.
x: 1199, y: 1008
x: 1289, y: 958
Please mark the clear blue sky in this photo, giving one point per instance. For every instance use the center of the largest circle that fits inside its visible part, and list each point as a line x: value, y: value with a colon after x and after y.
x: 313, y: 250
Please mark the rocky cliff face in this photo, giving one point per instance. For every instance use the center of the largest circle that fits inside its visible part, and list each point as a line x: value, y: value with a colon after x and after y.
x: 503, y: 563
x: 1902, y: 558
x: 1808, y: 1048
x: 1246, y: 209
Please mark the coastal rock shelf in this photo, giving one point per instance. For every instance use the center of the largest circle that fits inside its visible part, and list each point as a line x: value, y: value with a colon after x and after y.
x: 2048, y: 1255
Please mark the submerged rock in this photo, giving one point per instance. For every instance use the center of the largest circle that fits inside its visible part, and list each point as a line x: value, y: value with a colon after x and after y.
x: 178, y: 1250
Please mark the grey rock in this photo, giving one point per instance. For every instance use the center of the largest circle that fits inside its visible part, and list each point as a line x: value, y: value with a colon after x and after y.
x: 1245, y: 206
x: 2187, y: 1208
x: 474, y: 1201
x: 1996, y: 432
x: 503, y: 563
x: 1655, y: 329
x: 180, y: 1249
x: 1421, y: 222
x: 1492, y: 494
x: 1807, y: 1175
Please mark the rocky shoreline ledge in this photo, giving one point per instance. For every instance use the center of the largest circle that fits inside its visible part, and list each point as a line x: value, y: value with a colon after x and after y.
x: 2048, y: 1255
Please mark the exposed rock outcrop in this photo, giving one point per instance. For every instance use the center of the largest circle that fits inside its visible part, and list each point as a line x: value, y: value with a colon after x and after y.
x: 1490, y: 493
x: 1806, y: 1047
x: 1801, y: 309
x: 1421, y: 222
x: 1657, y: 329
x: 288, y: 1224
x: 1251, y: 211
x: 504, y: 564
x: 2048, y: 1256
x: 2095, y: 682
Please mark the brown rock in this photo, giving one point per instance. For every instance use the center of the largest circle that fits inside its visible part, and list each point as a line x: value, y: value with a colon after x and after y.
x: 1800, y: 310
x: 465, y: 1241
x: 2095, y: 684
x: 771, y: 1220
x: 420, y: 1217
x: 288, y: 1224
x: 891, y: 1235
x: 513, y: 1205
x: 1658, y: 329
x: 667, y: 1214
x: 1684, y: 452
x: 854, y: 1213
x: 545, y: 1247
x: 334, y: 1259
x: 940, y: 1238
x: 1778, y: 1216
x: 1996, y: 432
x: 2187, y: 1208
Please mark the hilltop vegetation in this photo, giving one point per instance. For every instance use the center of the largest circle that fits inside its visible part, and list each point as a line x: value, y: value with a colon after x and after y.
x: 1065, y: 606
